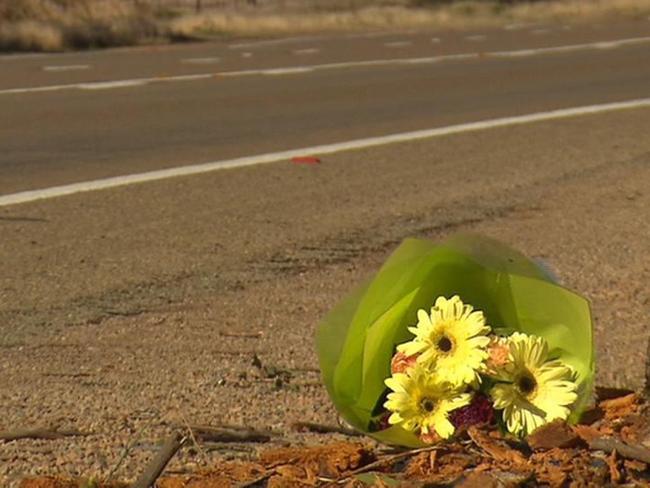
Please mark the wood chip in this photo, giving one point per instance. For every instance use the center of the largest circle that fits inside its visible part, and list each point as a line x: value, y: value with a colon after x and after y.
x: 586, y: 432
x: 621, y: 406
x: 614, y: 472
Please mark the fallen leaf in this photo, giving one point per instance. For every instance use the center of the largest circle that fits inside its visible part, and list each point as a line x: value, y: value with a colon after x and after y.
x: 305, y: 160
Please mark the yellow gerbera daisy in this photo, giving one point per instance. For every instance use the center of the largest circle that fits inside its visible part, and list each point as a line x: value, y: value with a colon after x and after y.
x: 451, y: 341
x: 420, y: 403
x: 536, y: 391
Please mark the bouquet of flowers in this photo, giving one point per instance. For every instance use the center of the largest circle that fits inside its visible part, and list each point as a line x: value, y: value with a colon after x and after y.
x: 451, y: 335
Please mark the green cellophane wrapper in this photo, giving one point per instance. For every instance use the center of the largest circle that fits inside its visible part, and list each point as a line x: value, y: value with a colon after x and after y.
x: 357, y: 339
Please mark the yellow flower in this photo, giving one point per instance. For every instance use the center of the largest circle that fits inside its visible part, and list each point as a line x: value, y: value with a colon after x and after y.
x: 536, y: 391
x: 451, y: 341
x: 420, y: 403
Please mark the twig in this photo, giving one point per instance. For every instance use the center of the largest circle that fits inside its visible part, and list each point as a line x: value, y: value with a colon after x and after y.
x: 386, y: 459
x: 234, y: 353
x: 323, y: 429
x: 609, y: 445
x: 193, y: 437
x: 305, y: 369
x: 306, y: 384
x: 126, y: 451
x: 67, y: 375
x: 38, y: 433
x: 227, y: 447
x: 244, y: 335
x: 217, y: 434
x: 257, y: 480
x: 158, y: 463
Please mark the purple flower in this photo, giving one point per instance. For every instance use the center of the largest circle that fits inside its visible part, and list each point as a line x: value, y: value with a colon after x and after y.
x: 479, y: 411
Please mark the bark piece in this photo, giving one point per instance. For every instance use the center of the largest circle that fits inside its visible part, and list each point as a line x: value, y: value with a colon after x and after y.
x: 553, y: 434
x: 586, y: 432
x: 500, y: 451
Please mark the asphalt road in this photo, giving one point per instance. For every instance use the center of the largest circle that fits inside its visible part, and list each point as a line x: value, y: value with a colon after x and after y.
x: 132, y: 298
x: 56, y: 137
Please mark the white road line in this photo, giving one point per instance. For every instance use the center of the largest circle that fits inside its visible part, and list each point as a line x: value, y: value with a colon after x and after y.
x: 566, y: 49
x: 398, y: 43
x: 435, y: 40
x: 310, y: 50
x: 275, y: 42
x: 517, y: 26
x: 246, y: 55
x: 375, y: 35
x: 329, y: 66
x: 476, y: 38
x: 86, y: 186
x: 108, y: 85
x: 288, y: 71
x: 207, y: 60
x: 69, y: 67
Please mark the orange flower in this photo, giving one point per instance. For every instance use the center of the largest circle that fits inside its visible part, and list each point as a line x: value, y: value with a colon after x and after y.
x: 430, y: 438
x: 498, y: 354
x: 401, y: 362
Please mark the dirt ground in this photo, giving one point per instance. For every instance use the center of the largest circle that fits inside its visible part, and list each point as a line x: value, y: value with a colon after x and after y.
x: 90, y: 347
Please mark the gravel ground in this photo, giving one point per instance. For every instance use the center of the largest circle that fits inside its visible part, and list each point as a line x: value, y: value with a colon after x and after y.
x: 126, y: 353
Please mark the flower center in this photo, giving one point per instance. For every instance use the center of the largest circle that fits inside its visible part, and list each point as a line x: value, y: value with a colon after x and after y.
x: 445, y: 344
x: 526, y: 384
x: 427, y: 404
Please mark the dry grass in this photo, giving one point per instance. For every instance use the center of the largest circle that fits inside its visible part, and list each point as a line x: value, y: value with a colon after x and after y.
x: 248, y: 24
x: 456, y: 15
x: 52, y: 25
x: 579, y: 10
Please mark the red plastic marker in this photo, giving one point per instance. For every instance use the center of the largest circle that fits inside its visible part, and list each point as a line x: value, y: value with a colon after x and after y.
x: 305, y: 160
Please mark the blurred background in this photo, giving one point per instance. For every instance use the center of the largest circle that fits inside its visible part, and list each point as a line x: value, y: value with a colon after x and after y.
x: 52, y: 25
